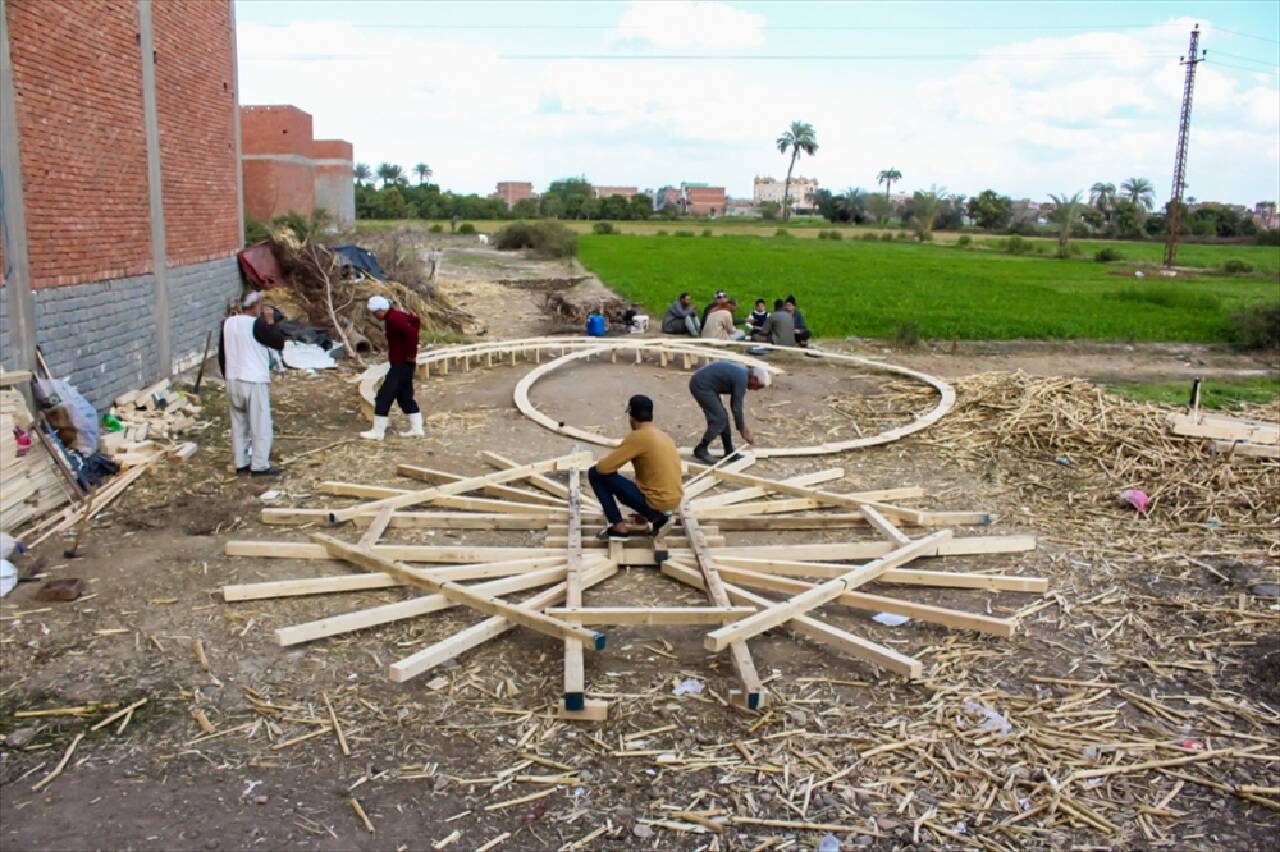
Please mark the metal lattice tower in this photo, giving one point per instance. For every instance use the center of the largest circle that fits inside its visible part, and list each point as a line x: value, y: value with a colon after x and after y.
x: 1193, y: 58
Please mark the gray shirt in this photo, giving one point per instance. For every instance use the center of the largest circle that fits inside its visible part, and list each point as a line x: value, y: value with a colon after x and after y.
x: 673, y: 321
x: 780, y: 328
x: 720, y: 378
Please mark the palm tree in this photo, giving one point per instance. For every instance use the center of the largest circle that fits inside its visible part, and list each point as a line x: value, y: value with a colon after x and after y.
x: 423, y: 171
x: 1103, y: 197
x: 798, y: 138
x: 1140, y: 191
x: 887, y: 177
x: 362, y: 173
x: 1066, y: 212
x: 925, y: 207
x: 387, y: 172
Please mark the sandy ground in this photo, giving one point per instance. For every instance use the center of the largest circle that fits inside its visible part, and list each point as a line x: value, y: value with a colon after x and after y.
x: 425, y: 755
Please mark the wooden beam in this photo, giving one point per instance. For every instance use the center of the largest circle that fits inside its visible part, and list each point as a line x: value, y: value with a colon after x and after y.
x: 431, y: 656
x: 1224, y: 427
x: 417, y: 520
x: 487, y: 604
x: 752, y: 689
x: 1244, y: 448
x: 928, y: 518
x: 701, y: 480
x: 811, y: 628
x: 959, y: 546
x: 651, y: 615
x: 475, y: 504
x: 777, y: 523
x: 413, y: 498
x: 743, y: 494
x: 575, y: 676
x: 677, y: 541
x: 902, y: 576
x: 879, y: 603
x: 401, y: 552
x: 376, y: 528
x: 363, y: 582
x: 374, y: 616
x: 883, y: 525
x: 505, y: 492
x: 822, y: 593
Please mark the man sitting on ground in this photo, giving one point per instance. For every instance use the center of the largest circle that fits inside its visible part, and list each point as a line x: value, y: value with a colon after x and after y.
x: 657, y: 489
x: 720, y: 323
x: 717, y: 302
x: 757, y: 318
x: 780, y: 328
x: 682, y: 317
x: 802, y: 330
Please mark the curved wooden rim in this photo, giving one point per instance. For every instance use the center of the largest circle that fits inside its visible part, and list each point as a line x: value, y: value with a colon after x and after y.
x: 573, y: 349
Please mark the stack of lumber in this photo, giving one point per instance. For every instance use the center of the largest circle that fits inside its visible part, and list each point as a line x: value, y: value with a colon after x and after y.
x: 30, y: 485
x: 151, y: 417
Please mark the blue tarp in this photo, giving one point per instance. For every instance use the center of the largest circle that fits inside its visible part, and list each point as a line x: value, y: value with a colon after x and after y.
x: 360, y: 258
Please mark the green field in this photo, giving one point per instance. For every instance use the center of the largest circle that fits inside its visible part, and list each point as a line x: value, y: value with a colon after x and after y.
x: 1228, y: 394
x: 937, y: 291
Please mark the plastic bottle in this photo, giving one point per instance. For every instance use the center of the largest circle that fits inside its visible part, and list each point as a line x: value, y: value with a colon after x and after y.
x: 829, y: 843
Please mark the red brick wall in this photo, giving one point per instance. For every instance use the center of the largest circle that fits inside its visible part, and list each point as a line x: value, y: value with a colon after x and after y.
x: 706, y: 200
x: 78, y: 86
x: 275, y: 130
x: 195, y: 109
x: 275, y: 187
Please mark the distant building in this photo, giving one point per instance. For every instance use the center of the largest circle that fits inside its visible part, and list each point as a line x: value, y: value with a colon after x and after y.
x: 703, y: 200
x: 512, y: 191
x: 666, y: 195
x: 741, y: 207
x: 803, y: 192
x: 1264, y: 216
x: 286, y: 170
x: 627, y: 192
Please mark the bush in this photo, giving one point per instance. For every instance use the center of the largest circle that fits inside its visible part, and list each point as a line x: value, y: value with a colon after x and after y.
x: 437, y: 228
x: 602, y: 228
x: 1108, y: 255
x: 684, y: 233
x: 835, y: 235
x: 965, y: 241
x: 886, y: 237
x: 546, y: 239
x: 903, y: 235
x: 782, y: 232
x: 1236, y: 266
x: 907, y: 334
x: 466, y: 228
x: 706, y: 232
x: 1269, y: 238
x: 1017, y: 245
x: 1256, y: 328
x: 662, y: 233
x: 871, y: 238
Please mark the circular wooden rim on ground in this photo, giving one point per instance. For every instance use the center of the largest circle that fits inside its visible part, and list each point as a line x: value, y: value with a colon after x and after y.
x: 574, y: 349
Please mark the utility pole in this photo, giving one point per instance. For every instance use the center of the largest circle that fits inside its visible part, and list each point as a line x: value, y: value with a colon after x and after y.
x: 1193, y: 58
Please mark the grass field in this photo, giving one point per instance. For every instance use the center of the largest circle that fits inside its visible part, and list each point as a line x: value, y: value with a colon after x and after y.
x: 935, y: 291
x: 1226, y: 394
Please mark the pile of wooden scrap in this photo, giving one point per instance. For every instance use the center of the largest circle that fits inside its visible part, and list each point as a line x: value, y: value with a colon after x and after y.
x: 152, y: 420
x: 692, y: 551
x: 31, y: 485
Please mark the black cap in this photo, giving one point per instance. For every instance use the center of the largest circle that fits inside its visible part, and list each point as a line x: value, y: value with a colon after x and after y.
x: 640, y: 407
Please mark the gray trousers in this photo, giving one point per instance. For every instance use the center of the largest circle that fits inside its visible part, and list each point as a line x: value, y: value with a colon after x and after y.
x: 249, y: 404
x: 717, y: 418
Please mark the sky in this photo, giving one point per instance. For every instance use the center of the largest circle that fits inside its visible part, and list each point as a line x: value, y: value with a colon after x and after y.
x: 1025, y: 98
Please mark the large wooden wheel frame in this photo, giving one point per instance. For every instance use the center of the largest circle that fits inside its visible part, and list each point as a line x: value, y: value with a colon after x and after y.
x: 666, y: 352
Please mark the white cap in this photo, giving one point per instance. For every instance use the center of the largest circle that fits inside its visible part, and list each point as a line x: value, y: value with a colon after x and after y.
x: 762, y: 376
x: 378, y: 303
x: 251, y: 298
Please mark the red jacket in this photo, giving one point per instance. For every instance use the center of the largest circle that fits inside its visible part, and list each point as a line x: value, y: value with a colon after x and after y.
x: 402, y: 336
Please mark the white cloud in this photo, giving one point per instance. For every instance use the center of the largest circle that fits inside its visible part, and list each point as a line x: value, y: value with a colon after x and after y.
x: 688, y: 25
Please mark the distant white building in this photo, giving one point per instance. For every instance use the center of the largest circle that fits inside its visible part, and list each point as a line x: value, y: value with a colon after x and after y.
x: 803, y: 190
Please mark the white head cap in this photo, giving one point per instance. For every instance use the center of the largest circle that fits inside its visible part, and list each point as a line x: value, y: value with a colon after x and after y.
x: 378, y: 303
x: 251, y: 298
x: 762, y: 376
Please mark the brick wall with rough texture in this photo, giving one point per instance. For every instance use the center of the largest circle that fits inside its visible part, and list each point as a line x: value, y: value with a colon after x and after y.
x: 335, y: 184
x: 195, y: 110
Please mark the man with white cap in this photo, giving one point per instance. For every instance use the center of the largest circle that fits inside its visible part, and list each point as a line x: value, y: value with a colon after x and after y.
x: 707, y: 386
x: 245, y: 361
x: 403, y: 329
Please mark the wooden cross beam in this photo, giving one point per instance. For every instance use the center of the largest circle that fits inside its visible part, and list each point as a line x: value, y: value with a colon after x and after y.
x: 506, y: 492
x: 418, y: 520
x: 488, y: 604
x: 903, y: 576
x: 651, y: 615
x: 780, y: 612
x: 575, y: 677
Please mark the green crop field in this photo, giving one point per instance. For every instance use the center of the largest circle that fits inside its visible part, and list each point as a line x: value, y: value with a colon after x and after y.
x: 936, y: 291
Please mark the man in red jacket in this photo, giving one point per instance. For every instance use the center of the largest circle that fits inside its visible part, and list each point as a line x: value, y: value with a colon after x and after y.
x: 402, y: 355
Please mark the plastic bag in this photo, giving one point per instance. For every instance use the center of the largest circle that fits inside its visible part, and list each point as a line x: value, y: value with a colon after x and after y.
x: 84, y: 417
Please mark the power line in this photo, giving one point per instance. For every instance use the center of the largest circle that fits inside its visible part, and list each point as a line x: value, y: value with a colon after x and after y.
x: 1245, y: 35
x: 825, y: 57
x: 1216, y: 64
x: 769, y: 28
x: 1268, y: 62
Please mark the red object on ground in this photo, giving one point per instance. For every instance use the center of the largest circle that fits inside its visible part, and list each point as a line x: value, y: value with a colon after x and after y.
x: 259, y: 263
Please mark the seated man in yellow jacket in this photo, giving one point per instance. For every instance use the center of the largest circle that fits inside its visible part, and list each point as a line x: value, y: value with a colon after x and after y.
x: 657, y: 489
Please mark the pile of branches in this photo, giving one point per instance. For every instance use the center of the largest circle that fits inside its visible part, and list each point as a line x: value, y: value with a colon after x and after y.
x: 576, y: 313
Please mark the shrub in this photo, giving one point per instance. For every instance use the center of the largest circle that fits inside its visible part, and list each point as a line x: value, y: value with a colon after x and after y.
x: 886, y: 237
x: 706, y: 232
x: 602, y: 228
x: 903, y: 235
x: 437, y: 228
x: 1256, y: 328
x: 924, y: 236
x: 1017, y: 245
x: 1236, y: 266
x: 871, y: 238
x: 466, y: 228
x: 662, y: 232
x: 1269, y: 238
x: 546, y: 239
x: 782, y: 232
x: 835, y: 235
x: 907, y: 334
x: 684, y: 233
x: 1108, y: 255
x: 965, y: 241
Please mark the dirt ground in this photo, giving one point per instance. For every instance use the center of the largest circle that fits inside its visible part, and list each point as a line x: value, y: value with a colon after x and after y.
x: 430, y: 757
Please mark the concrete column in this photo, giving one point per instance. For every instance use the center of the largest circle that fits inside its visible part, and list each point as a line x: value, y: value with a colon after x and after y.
x: 235, y: 106
x: 155, y: 189
x: 13, y: 218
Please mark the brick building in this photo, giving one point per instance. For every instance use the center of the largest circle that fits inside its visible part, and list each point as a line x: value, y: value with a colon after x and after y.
x: 627, y: 192
x: 703, y: 200
x: 118, y: 152
x: 287, y: 170
x: 512, y: 191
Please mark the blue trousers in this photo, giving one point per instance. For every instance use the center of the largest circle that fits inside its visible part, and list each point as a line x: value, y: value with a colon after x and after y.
x: 613, y: 487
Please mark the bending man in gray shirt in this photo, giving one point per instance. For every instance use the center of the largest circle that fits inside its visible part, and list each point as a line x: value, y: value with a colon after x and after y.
x: 714, y: 381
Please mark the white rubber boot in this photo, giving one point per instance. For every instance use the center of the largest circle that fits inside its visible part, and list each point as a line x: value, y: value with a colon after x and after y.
x: 379, y: 430
x: 415, y: 426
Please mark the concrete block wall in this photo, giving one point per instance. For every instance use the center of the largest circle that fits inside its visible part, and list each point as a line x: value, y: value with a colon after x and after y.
x: 198, y: 297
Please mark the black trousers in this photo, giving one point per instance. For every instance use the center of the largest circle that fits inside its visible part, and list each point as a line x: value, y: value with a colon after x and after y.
x: 396, y: 387
x: 713, y: 409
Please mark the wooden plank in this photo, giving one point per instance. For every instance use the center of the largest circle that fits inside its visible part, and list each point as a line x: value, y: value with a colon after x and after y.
x: 778, y: 523
x: 883, y: 525
x: 816, y: 478
x: 1223, y: 427
x: 416, y: 520
x: 575, y: 676
x: 957, y: 546
x: 10, y: 378
x: 413, y: 498
x: 703, y: 482
x: 431, y: 656
x: 400, y: 610
x: 376, y: 528
x: 363, y: 582
x: 545, y: 483
x: 878, y: 603
x: 487, y: 604
x: 821, y: 593
x: 401, y: 552
x: 812, y: 629
x: 903, y: 576
x: 1244, y: 448
x: 504, y: 492
x: 676, y: 541
x: 752, y: 689
x: 651, y: 615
